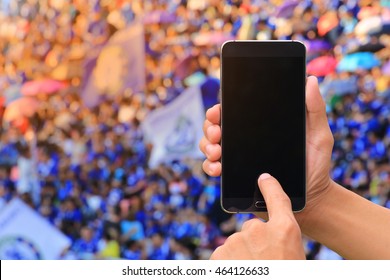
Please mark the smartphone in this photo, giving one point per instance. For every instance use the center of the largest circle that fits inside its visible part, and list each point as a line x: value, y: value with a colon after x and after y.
x: 262, y: 122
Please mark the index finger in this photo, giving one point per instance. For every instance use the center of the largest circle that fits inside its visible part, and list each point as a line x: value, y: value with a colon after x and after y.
x: 277, y: 201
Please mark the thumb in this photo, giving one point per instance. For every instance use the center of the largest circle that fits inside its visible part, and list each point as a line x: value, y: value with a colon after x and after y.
x: 317, y: 126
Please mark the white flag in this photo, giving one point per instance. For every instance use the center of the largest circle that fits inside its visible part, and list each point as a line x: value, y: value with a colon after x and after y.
x: 24, y: 234
x: 176, y: 129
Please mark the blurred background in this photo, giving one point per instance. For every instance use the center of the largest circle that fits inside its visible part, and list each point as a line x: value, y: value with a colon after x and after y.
x: 102, y: 103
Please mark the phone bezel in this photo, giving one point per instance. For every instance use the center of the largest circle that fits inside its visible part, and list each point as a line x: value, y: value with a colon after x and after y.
x: 251, y: 48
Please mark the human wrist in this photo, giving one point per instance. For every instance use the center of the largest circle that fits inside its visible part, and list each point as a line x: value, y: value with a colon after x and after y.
x: 315, y: 208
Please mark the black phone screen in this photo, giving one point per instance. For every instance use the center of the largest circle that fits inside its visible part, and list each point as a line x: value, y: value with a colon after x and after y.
x: 263, y: 125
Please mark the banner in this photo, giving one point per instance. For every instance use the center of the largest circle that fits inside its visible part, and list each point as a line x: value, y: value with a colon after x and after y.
x: 176, y: 129
x: 194, y: 270
x: 116, y: 66
x: 24, y: 234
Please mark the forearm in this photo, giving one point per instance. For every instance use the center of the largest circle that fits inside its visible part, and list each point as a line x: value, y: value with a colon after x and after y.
x: 348, y: 224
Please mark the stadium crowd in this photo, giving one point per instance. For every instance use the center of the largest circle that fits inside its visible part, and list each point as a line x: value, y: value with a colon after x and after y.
x: 86, y: 169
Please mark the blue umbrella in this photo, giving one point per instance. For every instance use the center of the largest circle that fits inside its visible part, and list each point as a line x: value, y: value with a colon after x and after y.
x: 12, y: 93
x: 356, y: 61
x: 340, y: 86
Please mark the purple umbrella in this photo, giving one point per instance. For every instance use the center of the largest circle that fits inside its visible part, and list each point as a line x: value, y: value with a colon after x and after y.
x: 159, y: 16
x: 316, y: 46
x: 386, y: 69
x: 183, y: 68
x: 287, y: 9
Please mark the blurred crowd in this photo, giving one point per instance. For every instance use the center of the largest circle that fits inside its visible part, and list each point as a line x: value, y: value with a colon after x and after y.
x: 85, y: 169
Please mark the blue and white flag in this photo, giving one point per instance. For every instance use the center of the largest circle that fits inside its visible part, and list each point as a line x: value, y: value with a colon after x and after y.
x: 176, y: 129
x: 24, y: 234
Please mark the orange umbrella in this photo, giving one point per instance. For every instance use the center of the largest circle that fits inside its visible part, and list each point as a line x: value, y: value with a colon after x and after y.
x: 22, y: 107
x: 322, y: 66
x: 327, y: 22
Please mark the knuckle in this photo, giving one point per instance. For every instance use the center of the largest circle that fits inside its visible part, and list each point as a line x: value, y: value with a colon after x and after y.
x: 215, y: 153
x: 330, y: 138
x: 211, y: 157
x: 326, y: 138
x: 288, y: 227
x: 218, y: 149
x: 326, y: 141
x: 209, y: 111
x: 202, y: 144
x: 218, y: 168
x: 205, y: 166
x: 291, y: 227
x: 206, y: 126
x: 252, y: 224
x: 234, y: 238
x: 212, y: 168
x: 212, y: 133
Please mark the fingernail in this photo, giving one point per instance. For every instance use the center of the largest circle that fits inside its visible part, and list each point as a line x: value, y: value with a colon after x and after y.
x: 264, y: 176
